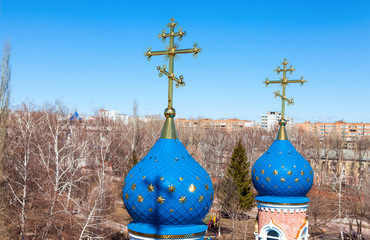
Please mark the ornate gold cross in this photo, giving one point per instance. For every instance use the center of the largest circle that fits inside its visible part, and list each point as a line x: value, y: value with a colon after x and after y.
x: 284, y: 81
x: 171, y: 54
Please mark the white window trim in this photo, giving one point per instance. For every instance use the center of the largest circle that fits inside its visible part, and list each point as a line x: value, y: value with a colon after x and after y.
x: 271, y: 226
x: 300, y: 237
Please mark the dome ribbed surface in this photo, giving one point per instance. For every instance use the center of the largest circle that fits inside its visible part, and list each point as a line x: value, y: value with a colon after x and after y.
x: 282, y: 172
x: 167, y: 187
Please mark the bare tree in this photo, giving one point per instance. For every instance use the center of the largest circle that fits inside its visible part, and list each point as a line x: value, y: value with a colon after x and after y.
x: 4, y: 103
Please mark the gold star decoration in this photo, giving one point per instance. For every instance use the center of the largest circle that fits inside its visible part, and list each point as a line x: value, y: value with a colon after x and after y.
x: 206, y: 186
x: 296, y: 180
x: 171, y: 188
x: 150, y: 188
x: 197, y: 178
x: 294, y: 166
x: 275, y: 172
x: 131, y: 175
x: 192, y: 188
x: 181, y: 178
x: 289, y: 172
x: 171, y: 210
x: 302, y: 173
x: 124, y: 184
x: 268, y: 179
x: 191, y: 209
x: 257, y: 178
x: 282, y: 166
x: 140, y: 198
x: 289, y: 187
x: 133, y: 207
x: 282, y: 180
x: 310, y: 172
x: 275, y: 186
x: 143, y: 177
x: 206, y: 207
x: 150, y: 209
x: 133, y: 187
x: 270, y: 165
x: 126, y: 196
x: 160, y: 200
x: 162, y: 178
x: 200, y: 199
x: 308, y: 179
x: 262, y: 171
x: 254, y: 170
x: 182, y: 200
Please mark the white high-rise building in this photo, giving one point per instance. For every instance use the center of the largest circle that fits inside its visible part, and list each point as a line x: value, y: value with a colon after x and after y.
x: 271, y: 119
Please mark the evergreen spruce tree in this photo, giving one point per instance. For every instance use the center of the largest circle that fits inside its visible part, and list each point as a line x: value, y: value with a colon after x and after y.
x: 238, y: 173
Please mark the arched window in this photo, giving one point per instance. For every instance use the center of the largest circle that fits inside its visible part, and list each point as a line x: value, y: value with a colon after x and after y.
x: 272, y: 235
x: 271, y: 232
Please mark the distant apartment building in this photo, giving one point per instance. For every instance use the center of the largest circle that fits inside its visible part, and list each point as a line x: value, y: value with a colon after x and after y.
x: 206, y: 123
x: 271, y: 119
x: 347, y: 130
x: 113, y: 115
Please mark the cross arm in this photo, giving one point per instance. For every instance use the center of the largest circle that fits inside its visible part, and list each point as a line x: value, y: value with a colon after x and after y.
x: 301, y: 81
x: 267, y: 82
x: 179, y: 81
x: 195, y: 50
x: 165, y: 35
x: 284, y: 98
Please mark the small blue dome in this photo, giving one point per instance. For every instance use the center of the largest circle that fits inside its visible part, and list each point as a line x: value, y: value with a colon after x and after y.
x: 168, y: 188
x: 282, y: 175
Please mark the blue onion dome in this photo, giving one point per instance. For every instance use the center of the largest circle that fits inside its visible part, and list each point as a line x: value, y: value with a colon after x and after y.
x: 282, y: 175
x: 167, y: 192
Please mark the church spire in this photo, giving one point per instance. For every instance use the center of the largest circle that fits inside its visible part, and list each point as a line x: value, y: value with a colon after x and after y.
x: 170, y: 54
x: 282, y: 135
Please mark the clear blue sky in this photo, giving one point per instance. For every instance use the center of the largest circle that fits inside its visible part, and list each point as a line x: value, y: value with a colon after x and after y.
x: 90, y: 55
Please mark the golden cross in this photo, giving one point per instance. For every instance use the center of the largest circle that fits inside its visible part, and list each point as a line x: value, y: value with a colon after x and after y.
x: 171, y: 53
x: 284, y: 81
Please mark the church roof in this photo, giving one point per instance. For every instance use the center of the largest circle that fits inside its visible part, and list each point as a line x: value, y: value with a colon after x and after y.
x: 168, y: 190
x: 75, y: 116
x: 282, y: 175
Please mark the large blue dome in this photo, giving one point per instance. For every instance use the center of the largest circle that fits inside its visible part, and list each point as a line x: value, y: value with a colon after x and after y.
x: 282, y: 175
x: 167, y: 192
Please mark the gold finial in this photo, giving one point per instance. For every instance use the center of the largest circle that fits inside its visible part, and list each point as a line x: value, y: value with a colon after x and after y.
x: 171, y: 51
x: 284, y: 82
